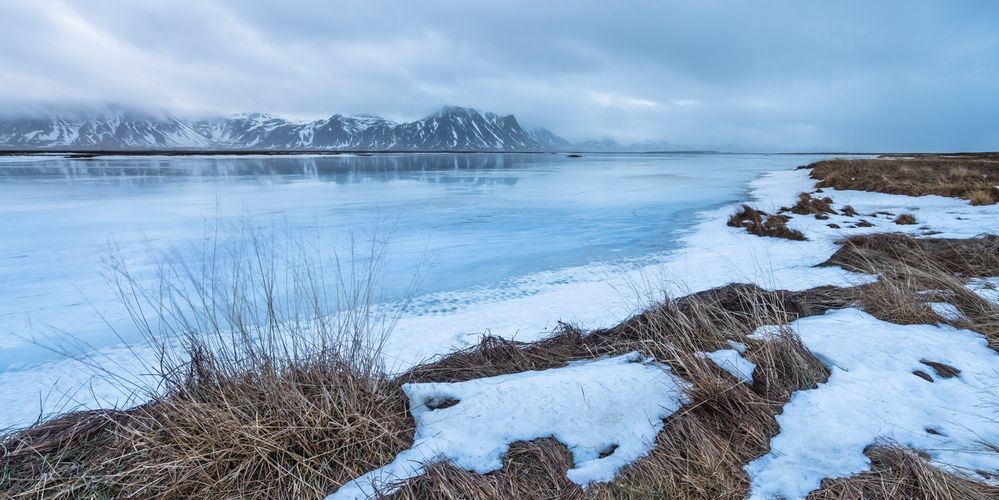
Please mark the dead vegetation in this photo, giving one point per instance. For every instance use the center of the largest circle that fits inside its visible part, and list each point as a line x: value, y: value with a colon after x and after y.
x: 897, y: 472
x: 913, y: 271
x: 971, y: 177
x: 810, y: 205
x: 531, y: 470
x: 259, y: 394
x: 969, y: 257
x: 761, y: 223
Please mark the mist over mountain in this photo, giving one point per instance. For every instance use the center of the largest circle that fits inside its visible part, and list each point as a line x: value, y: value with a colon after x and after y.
x: 115, y: 128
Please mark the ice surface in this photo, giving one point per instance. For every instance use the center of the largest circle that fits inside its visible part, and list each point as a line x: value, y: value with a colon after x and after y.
x: 506, y: 244
x: 607, y: 413
x: 873, y: 396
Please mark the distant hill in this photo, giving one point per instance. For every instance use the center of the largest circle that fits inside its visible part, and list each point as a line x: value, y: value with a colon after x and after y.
x: 450, y: 129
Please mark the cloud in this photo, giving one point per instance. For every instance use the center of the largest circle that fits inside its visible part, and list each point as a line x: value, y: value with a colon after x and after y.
x: 617, y: 101
x: 770, y: 75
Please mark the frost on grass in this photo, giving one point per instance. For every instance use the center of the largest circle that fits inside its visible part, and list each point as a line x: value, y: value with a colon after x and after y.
x: 731, y: 360
x: 607, y: 412
x: 930, y: 388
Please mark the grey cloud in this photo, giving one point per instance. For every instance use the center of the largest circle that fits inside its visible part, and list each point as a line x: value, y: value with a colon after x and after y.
x: 782, y: 75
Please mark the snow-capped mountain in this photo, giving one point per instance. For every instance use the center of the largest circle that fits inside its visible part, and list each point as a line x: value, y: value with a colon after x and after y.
x: 450, y: 129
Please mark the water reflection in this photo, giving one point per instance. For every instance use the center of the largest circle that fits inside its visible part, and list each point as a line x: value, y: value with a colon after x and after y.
x: 340, y: 169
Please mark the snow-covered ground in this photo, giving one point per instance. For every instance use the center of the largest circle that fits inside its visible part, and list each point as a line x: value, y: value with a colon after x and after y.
x: 872, y: 394
x: 607, y: 412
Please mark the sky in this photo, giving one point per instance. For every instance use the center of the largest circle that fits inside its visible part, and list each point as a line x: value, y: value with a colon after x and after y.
x: 762, y: 75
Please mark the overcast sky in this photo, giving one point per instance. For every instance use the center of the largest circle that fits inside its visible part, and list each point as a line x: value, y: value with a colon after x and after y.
x: 796, y: 75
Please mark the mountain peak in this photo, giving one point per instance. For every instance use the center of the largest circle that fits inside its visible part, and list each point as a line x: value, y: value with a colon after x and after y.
x: 456, y: 110
x: 452, y: 128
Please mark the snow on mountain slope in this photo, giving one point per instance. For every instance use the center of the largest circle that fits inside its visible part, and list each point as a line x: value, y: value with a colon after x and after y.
x: 450, y: 129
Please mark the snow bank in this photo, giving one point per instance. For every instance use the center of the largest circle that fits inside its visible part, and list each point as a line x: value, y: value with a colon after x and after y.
x: 873, y: 395
x: 612, y: 407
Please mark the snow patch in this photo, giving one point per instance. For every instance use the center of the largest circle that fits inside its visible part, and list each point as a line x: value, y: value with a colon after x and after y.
x: 986, y: 288
x: 946, y: 311
x: 607, y: 412
x: 731, y: 360
x: 873, y: 395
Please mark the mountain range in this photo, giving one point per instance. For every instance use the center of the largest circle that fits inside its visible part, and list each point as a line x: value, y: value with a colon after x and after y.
x: 450, y: 129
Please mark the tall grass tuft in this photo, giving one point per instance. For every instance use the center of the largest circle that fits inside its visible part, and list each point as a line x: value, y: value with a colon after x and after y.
x: 267, y: 382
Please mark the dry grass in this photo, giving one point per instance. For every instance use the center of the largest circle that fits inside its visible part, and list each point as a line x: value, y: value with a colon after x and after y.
x: 971, y: 177
x: 905, y: 219
x: 877, y: 252
x: 913, y: 271
x: 810, y: 205
x: 897, y: 472
x: 531, y: 470
x: 261, y: 392
x: 761, y: 223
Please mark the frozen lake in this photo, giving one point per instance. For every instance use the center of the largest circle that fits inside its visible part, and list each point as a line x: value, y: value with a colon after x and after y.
x: 471, y: 230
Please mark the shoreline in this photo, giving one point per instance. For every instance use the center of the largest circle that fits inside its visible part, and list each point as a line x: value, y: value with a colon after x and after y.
x: 718, y: 255
x: 88, y: 153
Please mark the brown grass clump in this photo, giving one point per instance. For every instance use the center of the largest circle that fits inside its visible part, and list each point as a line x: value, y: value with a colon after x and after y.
x: 893, y: 298
x: 761, y: 223
x: 983, y: 196
x: 897, y: 472
x: 292, y: 430
x: 905, y: 219
x: 262, y: 396
x: 848, y: 211
x: 876, y: 252
x: 531, y: 470
x: 809, y: 205
x: 908, y: 268
x: 971, y: 177
x: 498, y: 356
